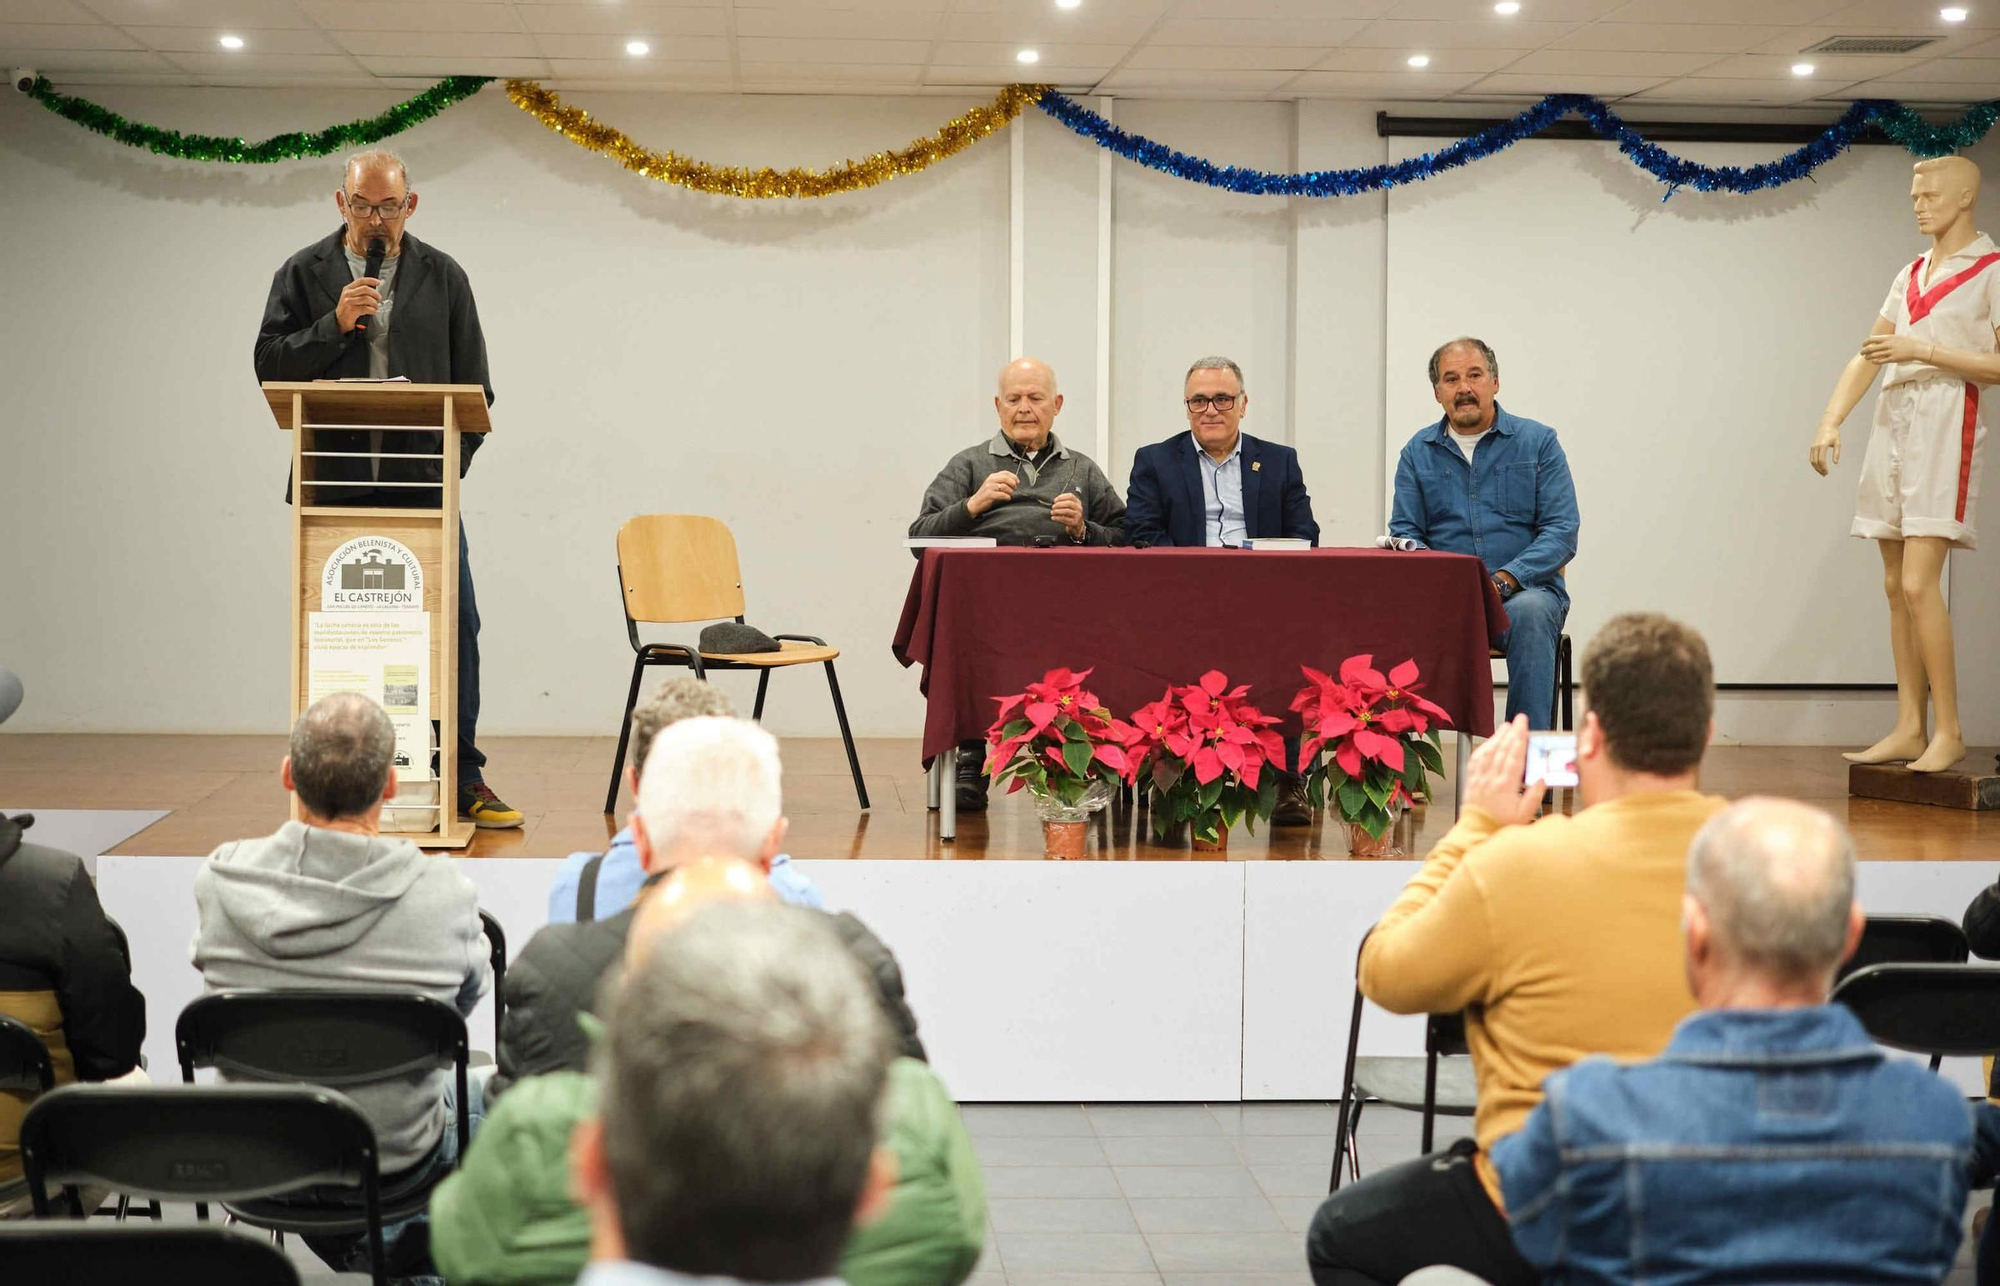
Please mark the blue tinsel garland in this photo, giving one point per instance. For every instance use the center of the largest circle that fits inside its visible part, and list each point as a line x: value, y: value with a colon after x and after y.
x: 1676, y: 172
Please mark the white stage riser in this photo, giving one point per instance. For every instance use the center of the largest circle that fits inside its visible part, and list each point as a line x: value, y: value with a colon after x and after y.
x: 1036, y: 981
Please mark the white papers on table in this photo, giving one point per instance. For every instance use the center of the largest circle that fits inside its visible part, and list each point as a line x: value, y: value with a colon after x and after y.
x: 1399, y: 542
x: 950, y: 542
x: 1277, y: 542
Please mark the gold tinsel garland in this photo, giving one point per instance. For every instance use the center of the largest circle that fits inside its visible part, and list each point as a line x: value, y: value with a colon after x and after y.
x: 957, y: 134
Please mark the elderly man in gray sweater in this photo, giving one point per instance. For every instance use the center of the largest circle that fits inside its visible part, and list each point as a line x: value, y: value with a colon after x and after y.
x: 330, y: 902
x: 1021, y: 486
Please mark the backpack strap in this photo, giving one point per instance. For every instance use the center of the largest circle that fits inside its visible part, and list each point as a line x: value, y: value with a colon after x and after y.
x: 586, y: 890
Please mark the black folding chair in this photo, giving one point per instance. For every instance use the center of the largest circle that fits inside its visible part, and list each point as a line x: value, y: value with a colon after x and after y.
x: 1440, y: 1083
x: 328, y: 1038
x: 197, y: 1255
x: 24, y: 1069
x: 1934, y: 1009
x: 496, y: 938
x: 1908, y: 939
x: 228, y: 1143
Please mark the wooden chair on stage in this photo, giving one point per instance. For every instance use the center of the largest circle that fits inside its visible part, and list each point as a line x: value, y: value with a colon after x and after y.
x: 674, y: 569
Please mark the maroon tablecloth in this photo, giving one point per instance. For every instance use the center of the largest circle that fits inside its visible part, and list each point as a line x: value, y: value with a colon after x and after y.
x: 984, y: 622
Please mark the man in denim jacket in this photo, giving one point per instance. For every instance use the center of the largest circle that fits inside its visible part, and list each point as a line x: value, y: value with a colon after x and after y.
x: 1481, y: 481
x: 1772, y: 1141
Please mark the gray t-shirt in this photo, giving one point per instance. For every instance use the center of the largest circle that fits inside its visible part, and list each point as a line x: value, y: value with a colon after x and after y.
x: 377, y: 338
x: 378, y: 328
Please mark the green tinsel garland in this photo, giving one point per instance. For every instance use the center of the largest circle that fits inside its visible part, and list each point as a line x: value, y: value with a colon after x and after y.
x: 1926, y: 139
x: 283, y: 147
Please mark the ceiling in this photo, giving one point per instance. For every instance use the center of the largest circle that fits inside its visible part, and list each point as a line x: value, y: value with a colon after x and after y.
x: 1699, y: 52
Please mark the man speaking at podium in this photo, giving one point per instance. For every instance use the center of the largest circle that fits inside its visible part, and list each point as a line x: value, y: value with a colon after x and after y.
x: 338, y: 311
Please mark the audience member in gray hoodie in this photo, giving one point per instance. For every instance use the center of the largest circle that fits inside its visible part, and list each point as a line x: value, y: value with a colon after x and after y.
x: 329, y: 902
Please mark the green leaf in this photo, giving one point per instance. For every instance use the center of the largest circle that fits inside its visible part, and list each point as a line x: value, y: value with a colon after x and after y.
x: 1267, y: 796
x: 1077, y: 756
x: 1316, y: 790
x: 1210, y: 794
x: 1433, y: 758
x: 1377, y: 792
x: 1352, y: 799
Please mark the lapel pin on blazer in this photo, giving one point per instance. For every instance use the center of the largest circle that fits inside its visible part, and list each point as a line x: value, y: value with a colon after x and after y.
x: 1255, y: 465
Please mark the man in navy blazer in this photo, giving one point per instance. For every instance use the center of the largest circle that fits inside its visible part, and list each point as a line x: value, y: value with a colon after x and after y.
x: 1215, y: 484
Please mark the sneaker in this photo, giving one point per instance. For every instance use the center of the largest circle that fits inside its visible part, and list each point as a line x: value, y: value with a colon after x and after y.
x: 971, y: 784
x: 1294, y: 808
x: 484, y: 809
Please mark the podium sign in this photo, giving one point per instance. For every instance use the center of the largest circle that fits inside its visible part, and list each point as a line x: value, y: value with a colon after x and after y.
x: 374, y: 597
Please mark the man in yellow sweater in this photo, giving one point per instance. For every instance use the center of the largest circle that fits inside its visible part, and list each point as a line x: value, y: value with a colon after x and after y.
x: 1559, y: 938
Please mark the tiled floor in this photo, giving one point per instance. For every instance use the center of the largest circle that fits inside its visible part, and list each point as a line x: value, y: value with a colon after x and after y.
x: 1123, y: 1194
x: 1178, y: 1194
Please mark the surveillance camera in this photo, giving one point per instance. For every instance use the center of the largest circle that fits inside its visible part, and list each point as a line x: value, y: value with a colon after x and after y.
x: 24, y: 78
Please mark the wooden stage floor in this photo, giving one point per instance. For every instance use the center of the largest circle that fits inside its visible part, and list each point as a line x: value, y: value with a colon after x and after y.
x: 221, y: 788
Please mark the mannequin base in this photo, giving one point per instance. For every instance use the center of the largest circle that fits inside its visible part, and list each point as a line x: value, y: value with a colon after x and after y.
x: 1939, y: 789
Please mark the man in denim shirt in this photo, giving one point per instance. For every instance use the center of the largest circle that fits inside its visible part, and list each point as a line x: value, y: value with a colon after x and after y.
x: 1771, y: 1141
x: 1481, y: 481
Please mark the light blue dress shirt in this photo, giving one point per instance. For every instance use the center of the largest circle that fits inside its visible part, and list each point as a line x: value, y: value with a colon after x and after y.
x: 1222, y: 495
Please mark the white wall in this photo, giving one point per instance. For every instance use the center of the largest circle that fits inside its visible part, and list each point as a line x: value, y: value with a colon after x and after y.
x: 799, y: 369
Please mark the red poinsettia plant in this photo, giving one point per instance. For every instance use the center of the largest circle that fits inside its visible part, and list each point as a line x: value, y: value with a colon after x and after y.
x: 1204, y: 751
x: 1383, y: 735
x: 1057, y: 739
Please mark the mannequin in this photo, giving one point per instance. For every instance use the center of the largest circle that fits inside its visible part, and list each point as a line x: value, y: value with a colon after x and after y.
x: 1936, y: 335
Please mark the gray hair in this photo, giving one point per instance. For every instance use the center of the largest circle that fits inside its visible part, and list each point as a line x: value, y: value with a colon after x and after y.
x: 375, y: 155
x: 1216, y: 364
x: 741, y: 1086
x: 1492, y: 361
x: 712, y: 786
x: 343, y: 750
x: 1777, y: 880
x: 681, y: 697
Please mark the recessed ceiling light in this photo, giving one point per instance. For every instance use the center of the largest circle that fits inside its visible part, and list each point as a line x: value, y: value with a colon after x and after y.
x: 1420, y: 60
x: 1802, y: 69
x: 1953, y: 14
x: 1507, y: 8
x: 231, y: 42
x: 638, y: 48
x: 1069, y: 4
x: 1027, y: 56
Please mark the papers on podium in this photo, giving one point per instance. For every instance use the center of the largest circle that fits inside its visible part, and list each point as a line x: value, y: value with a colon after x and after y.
x: 1277, y: 542
x: 950, y: 542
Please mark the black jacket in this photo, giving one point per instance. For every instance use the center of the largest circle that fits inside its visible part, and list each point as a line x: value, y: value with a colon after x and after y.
x: 434, y: 338
x: 55, y: 937
x: 559, y: 974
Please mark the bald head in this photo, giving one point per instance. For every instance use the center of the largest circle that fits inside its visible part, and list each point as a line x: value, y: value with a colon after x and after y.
x: 374, y: 165
x: 1027, y: 403
x: 689, y: 888
x: 343, y: 748
x: 1774, y: 882
x: 1032, y: 370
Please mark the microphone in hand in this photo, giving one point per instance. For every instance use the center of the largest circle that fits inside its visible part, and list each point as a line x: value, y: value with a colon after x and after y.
x: 377, y: 250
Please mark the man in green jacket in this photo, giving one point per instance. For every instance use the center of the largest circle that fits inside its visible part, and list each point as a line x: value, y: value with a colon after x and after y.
x: 506, y: 1218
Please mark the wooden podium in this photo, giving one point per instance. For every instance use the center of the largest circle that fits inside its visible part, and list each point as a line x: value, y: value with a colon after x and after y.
x: 336, y: 421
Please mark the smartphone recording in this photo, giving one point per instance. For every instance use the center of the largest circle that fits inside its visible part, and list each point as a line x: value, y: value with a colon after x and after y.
x: 1551, y: 759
